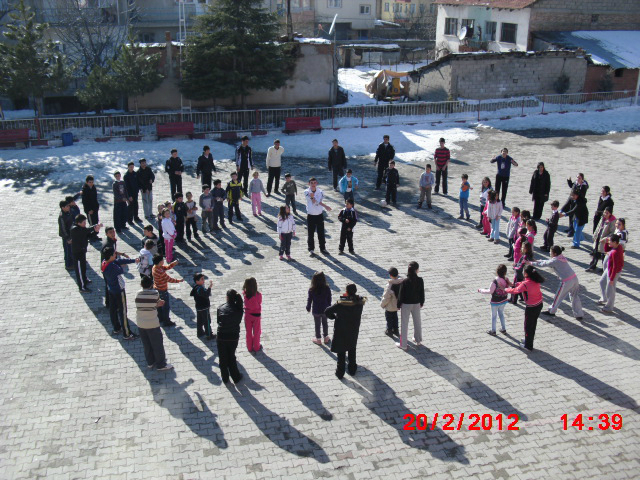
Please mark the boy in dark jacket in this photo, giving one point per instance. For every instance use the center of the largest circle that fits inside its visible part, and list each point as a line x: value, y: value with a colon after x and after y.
x: 205, y: 166
x: 393, y: 180
x: 552, y: 226
x: 229, y: 317
x: 180, y: 211
x: 234, y: 195
x: 90, y: 200
x: 113, y: 274
x: 133, y: 188
x: 337, y: 162
x: 80, y: 234
x: 120, y: 199
x: 203, y: 315
x: 384, y: 154
x: 146, y: 177
x: 65, y: 222
x: 219, y: 194
x: 347, y: 312
x: 580, y: 213
x: 290, y: 190
x: 174, y: 168
x: 348, y: 217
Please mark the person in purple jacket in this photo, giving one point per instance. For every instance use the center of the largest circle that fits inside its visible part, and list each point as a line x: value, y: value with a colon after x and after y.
x: 318, y: 300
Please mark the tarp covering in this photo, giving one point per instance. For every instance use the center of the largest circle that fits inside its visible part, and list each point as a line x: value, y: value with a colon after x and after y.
x: 378, y: 85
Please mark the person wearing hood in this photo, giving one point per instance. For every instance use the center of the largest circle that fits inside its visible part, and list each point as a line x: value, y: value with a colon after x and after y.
x: 569, y: 284
x: 113, y: 274
x: 390, y: 302
x: 346, y: 312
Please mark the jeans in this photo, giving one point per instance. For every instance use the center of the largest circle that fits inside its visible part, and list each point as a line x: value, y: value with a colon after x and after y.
x: 285, y: 243
x: 274, y: 174
x: 577, y: 233
x: 203, y: 322
x: 413, y: 310
x: 502, y: 183
x: 207, y: 218
x: 118, y: 312
x: 153, y: 347
x: 442, y: 174
x: 315, y: 222
x: 253, y: 327
x: 218, y: 213
x: 147, y: 203
x: 321, y: 319
x: 175, y: 183
x: 290, y: 201
x: 495, y: 228
x: 68, y: 254
x: 392, y: 320
x: 120, y: 214
x: 497, y: 310
x: 163, y: 311
x: 227, y: 345
x: 464, y: 207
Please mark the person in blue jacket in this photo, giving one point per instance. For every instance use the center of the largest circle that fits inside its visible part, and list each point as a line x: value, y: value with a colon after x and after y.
x: 113, y: 274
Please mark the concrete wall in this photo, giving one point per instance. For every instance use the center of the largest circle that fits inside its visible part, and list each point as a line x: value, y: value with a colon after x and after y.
x: 309, y: 84
x: 595, y: 73
x: 559, y: 15
x: 498, y: 75
x: 348, y: 13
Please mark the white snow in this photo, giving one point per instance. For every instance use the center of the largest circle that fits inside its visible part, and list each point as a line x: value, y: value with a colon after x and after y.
x: 624, y: 45
x: 28, y: 113
x: 311, y: 40
x: 373, y: 46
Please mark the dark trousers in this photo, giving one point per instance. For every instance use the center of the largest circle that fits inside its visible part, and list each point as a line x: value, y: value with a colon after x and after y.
x: 531, y: 315
x: 132, y: 209
x: 285, y: 243
x: 346, y: 235
x: 392, y: 191
x: 118, y: 312
x: 548, y: 236
x: 594, y: 261
x: 243, y: 175
x: 274, y: 174
x: 538, y: 206
x: 392, y: 320
x: 164, y: 310
x: 338, y: 173
x: 381, y: 169
x: 106, y: 294
x: 502, y: 183
x: 153, y: 347
x: 596, y: 220
x: 320, y: 320
x: 235, y: 205
x: 191, y: 225
x: 227, y: 346
x: 120, y: 214
x: 180, y: 229
x: 203, y: 322
x: 93, y: 219
x: 80, y: 266
x: 442, y: 174
x: 218, y: 213
x: 342, y: 357
x: 175, y: 182
x: 315, y: 222
x: 205, y: 179
x: 68, y: 254
x: 290, y: 201
x: 511, y: 243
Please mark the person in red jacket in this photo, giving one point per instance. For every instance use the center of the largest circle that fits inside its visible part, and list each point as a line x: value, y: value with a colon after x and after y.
x: 613, y: 263
x: 530, y: 288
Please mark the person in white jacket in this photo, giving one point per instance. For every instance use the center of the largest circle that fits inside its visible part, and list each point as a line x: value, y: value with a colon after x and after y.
x: 286, y: 231
x: 390, y: 302
x: 494, y: 212
x: 274, y: 164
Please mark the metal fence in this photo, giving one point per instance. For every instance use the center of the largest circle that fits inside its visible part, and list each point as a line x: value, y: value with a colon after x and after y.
x: 107, y: 126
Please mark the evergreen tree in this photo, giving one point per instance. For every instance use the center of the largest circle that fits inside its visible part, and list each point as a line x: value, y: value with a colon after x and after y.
x: 31, y: 65
x: 99, y: 90
x: 234, y: 51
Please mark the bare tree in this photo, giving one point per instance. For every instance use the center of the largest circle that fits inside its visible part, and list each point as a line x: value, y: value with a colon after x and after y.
x: 420, y: 25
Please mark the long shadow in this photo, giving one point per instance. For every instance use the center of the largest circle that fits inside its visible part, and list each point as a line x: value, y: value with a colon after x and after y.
x: 308, y: 273
x: 276, y: 428
x: 300, y: 389
x: 337, y: 266
x: 196, y: 355
x: 383, y: 401
x: 464, y: 381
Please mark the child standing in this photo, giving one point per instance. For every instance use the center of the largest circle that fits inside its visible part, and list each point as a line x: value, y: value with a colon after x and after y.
x: 158, y: 247
x: 229, y: 316
x: 393, y: 182
x: 255, y: 189
x: 486, y: 186
x: 318, y: 300
x: 526, y: 255
x: 494, y: 212
x: 286, y: 231
x: 180, y: 213
x: 80, y: 234
x: 578, y: 209
x: 146, y: 259
x: 252, y: 314
x: 621, y: 231
x: 348, y: 186
x: 532, y: 230
x: 218, y: 204
x: 113, y: 275
x: 533, y: 298
x: 498, y: 298
x: 191, y: 217
x: 90, y: 201
x: 234, y: 195
x: 290, y: 190
x: 390, y: 302
x: 348, y: 217
x: 465, y: 187
x: 612, y: 265
x: 147, y: 301
x: 65, y: 222
x: 552, y: 226
x: 161, y: 283
x: 512, y: 231
x: 203, y: 305
x: 120, y: 199
x: 206, y: 204
x: 168, y: 233
x: 427, y: 180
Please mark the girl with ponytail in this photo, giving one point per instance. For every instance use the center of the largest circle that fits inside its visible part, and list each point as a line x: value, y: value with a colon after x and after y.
x: 530, y: 288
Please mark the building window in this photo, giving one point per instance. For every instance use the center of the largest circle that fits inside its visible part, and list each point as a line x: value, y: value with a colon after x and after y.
x: 490, y: 31
x: 334, y: 3
x: 618, y: 72
x: 450, y: 26
x: 365, y: 9
x: 432, y: 8
x: 412, y: 8
x: 397, y: 8
x: 146, y: 37
x: 423, y: 7
x: 468, y: 23
x: 508, y: 32
x: 595, y: 18
x: 386, y: 7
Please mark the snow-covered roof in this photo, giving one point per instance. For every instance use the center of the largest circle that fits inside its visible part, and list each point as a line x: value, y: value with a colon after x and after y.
x: 373, y: 46
x: 311, y: 40
x: 384, y: 23
x: 617, y: 48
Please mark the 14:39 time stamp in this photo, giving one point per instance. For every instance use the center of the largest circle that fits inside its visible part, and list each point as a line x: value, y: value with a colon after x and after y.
x: 583, y: 422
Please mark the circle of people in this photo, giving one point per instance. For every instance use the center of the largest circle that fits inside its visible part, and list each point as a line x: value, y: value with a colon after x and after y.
x: 402, y: 294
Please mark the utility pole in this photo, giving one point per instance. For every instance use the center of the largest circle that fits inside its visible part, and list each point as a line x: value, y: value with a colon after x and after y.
x: 289, y: 22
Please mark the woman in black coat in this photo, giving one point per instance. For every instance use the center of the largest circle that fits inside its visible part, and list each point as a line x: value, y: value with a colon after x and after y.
x: 604, y: 201
x: 347, y: 312
x: 539, y: 190
x: 229, y: 319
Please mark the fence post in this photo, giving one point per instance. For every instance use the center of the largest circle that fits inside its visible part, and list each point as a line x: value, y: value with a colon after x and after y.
x: 479, y: 109
x: 257, y: 119
x: 544, y: 97
x: 362, y: 116
x: 38, y: 128
x: 333, y: 115
x: 522, y: 114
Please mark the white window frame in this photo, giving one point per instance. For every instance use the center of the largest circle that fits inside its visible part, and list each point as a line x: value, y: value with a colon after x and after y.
x: 447, y: 23
x: 412, y: 8
x: 489, y: 35
x: 367, y: 7
x: 334, y: 3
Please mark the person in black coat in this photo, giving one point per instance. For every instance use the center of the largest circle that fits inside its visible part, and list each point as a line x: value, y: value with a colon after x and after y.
x: 346, y: 312
x: 90, y: 202
x: 384, y: 154
x: 581, y: 186
x: 604, y: 201
x: 337, y: 162
x: 205, y: 167
x: 229, y: 317
x: 580, y: 214
x: 174, y: 168
x: 539, y: 190
x: 392, y: 179
x: 133, y: 188
x: 80, y: 234
x: 146, y: 177
x: 410, y: 301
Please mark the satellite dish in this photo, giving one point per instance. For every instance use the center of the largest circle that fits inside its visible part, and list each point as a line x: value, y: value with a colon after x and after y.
x: 333, y: 24
x: 463, y: 33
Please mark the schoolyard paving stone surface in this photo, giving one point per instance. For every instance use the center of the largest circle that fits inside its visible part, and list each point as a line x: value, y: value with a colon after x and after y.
x: 79, y: 403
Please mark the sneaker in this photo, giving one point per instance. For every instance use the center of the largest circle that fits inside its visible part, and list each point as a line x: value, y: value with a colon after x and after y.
x: 327, y: 340
x: 399, y: 345
x: 396, y: 332
x: 151, y: 366
x: 461, y: 217
x: 116, y: 332
x: 317, y: 341
x: 590, y: 269
x: 548, y: 313
x: 311, y: 253
x: 239, y: 379
x: 419, y: 206
x: 507, y: 255
x: 579, y: 318
x: 601, y: 302
x: 289, y: 258
x: 352, y: 252
x: 417, y: 342
x: 324, y: 252
x: 168, y: 366
x: 510, y: 259
x: 496, y: 241
x: 490, y: 239
x: 503, y: 331
x: 340, y: 252
x: 168, y: 323
x: 281, y: 257
x: 388, y: 333
x: 479, y: 226
x: 521, y: 345
x: 468, y: 218
x: 604, y: 310
x: 89, y: 281
x: 491, y: 332
x: 131, y: 336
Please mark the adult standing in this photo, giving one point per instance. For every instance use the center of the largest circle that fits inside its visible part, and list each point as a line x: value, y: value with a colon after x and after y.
x: 244, y: 162
x: 442, y: 156
x: 146, y: 178
x: 504, y: 172
x: 315, y: 215
x: 384, y: 154
x: 205, y: 167
x: 410, y: 301
x: 606, y: 227
x: 174, y: 168
x: 90, y: 203
x: 539, y: 189
x: 229, y: 316
x: 274, y: 164
x: 581, y: 186
x: 337, y: 162
x: 133, y: 188
x: 347, y: 312
x: 604, y: 201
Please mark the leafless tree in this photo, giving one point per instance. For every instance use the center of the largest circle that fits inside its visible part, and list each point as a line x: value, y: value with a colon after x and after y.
x: 420, y: 25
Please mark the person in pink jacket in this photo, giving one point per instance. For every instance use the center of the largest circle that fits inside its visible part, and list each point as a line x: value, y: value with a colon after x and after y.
x: 252, y: 314
x: 530, y: 288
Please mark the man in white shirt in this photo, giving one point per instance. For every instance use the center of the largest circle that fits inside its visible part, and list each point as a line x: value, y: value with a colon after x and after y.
x: 274, y: 163
x: 315, y: 217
